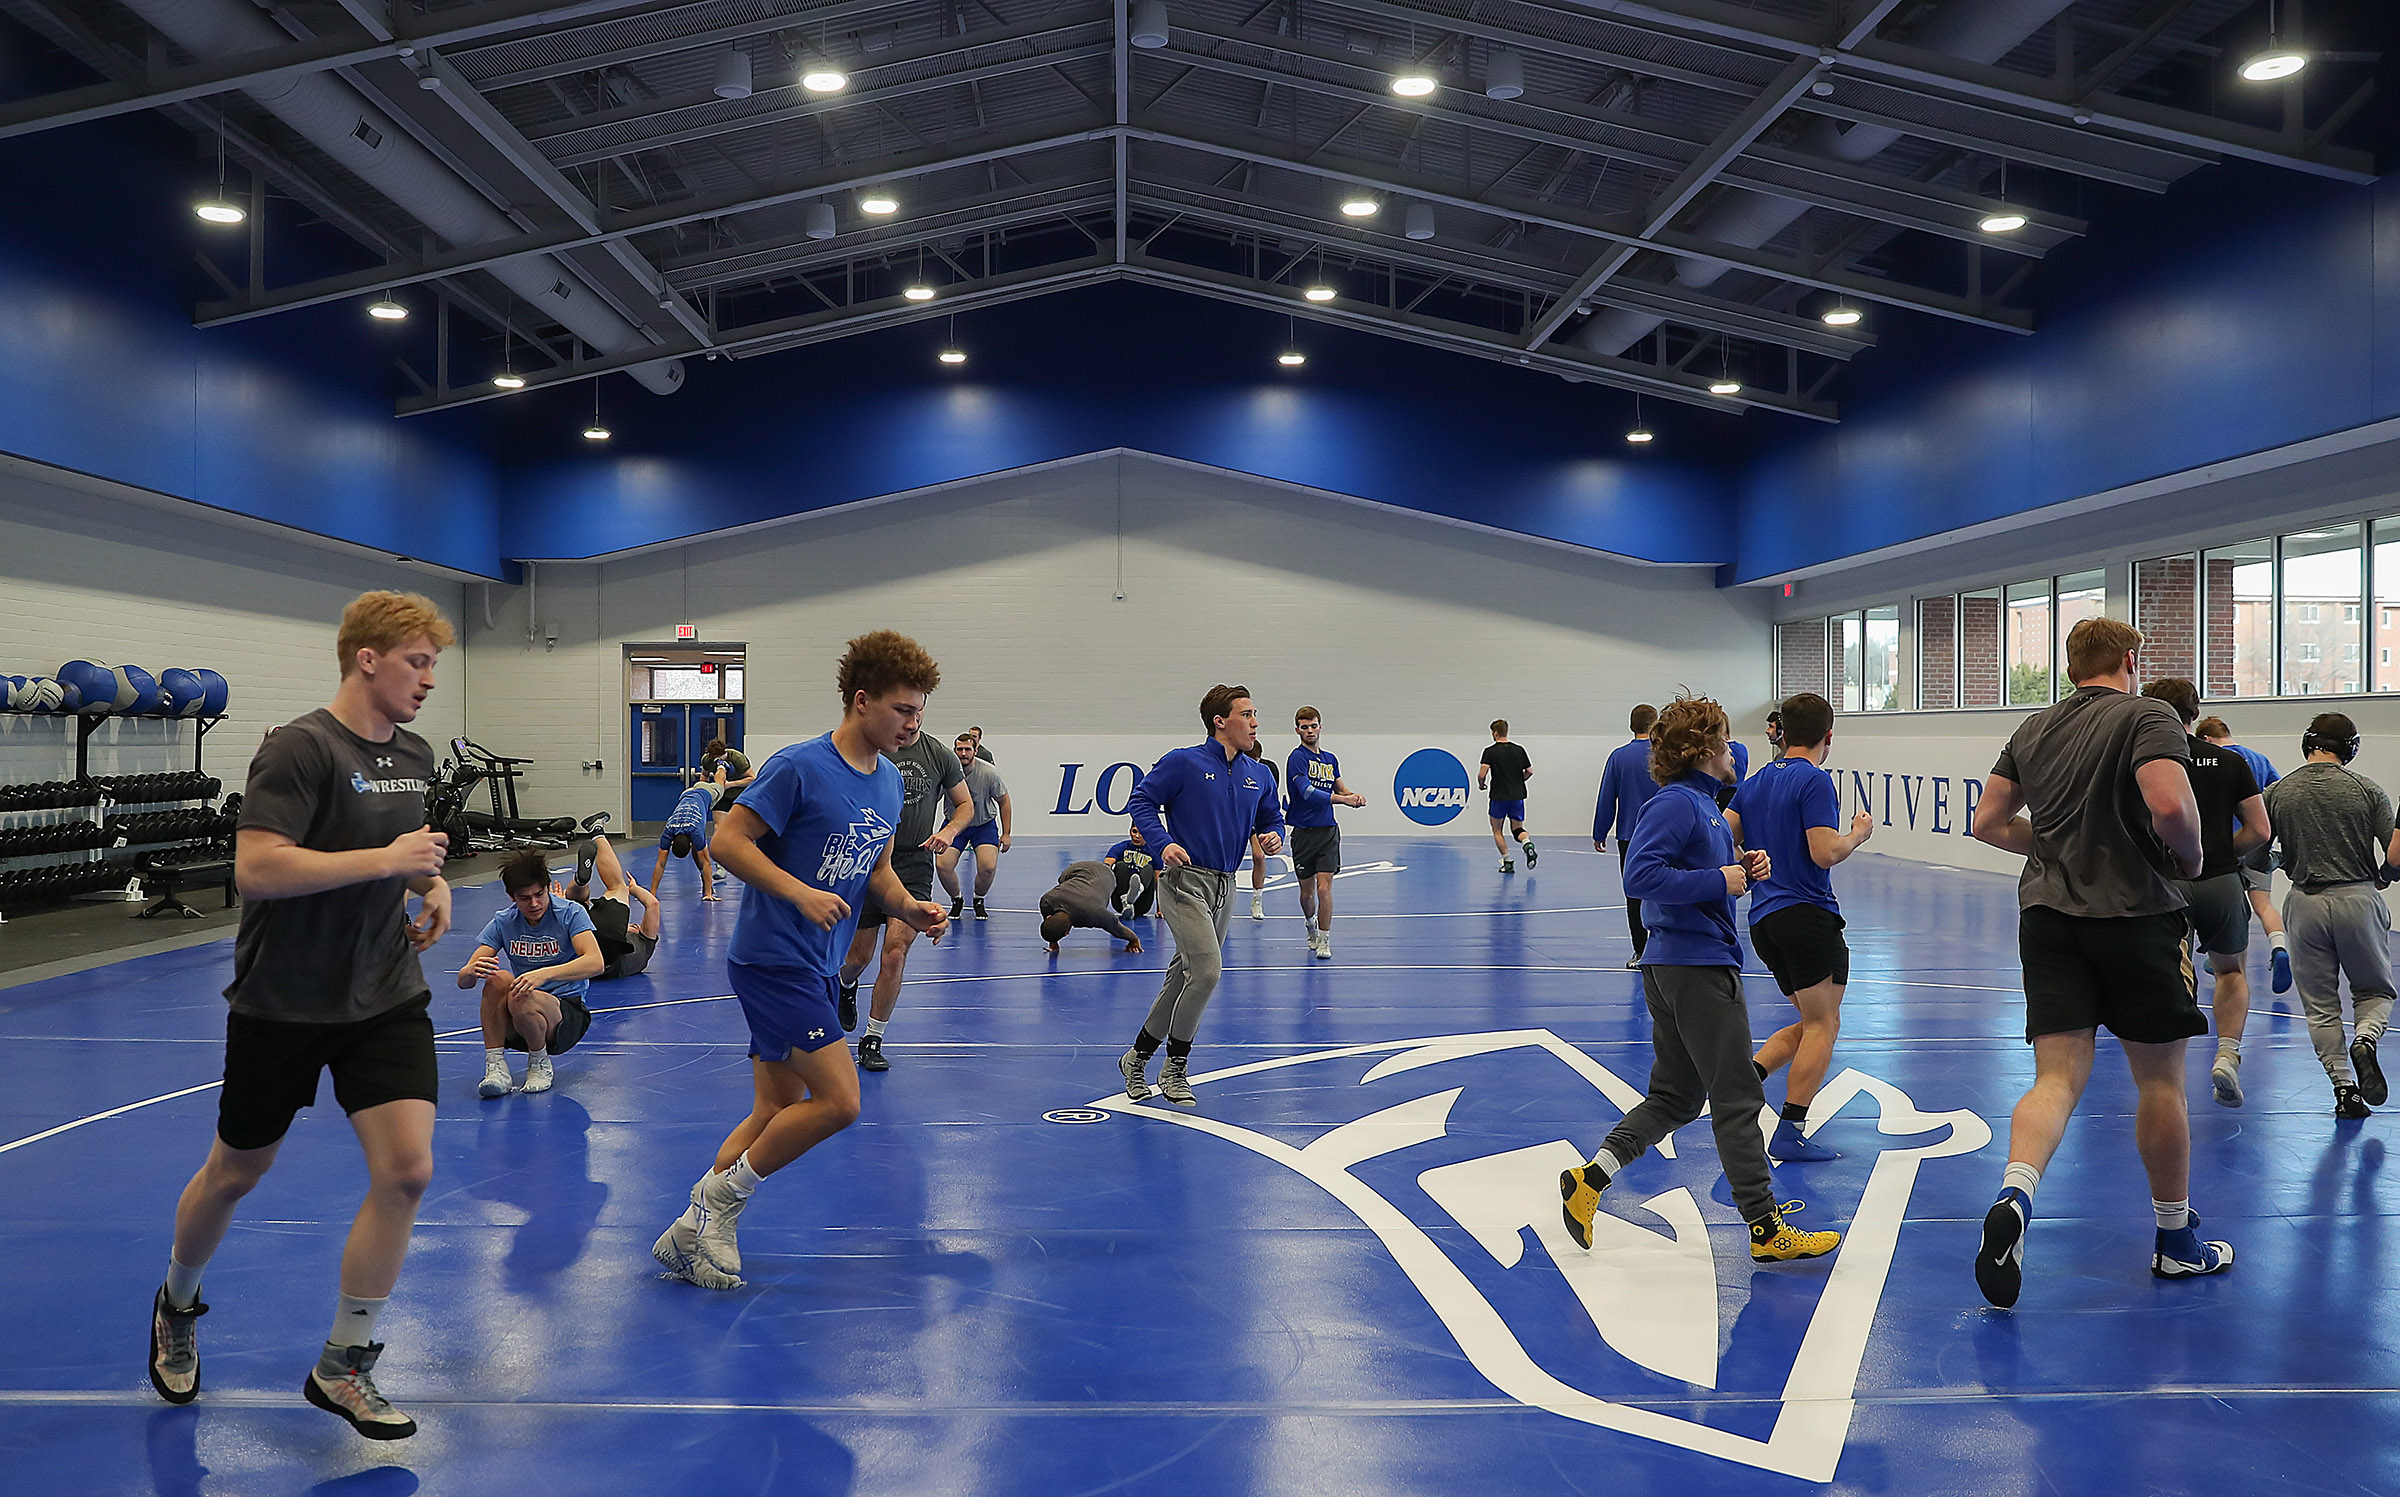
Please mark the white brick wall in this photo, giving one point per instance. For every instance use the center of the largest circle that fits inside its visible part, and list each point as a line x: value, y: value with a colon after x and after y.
x: 86, y: 575
x: 1388, y: 623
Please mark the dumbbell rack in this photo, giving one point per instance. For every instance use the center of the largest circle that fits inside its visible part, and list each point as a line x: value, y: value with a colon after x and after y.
x: 100, y: 828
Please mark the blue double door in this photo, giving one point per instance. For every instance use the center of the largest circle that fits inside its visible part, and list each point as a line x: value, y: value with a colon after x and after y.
x: 664, y: 749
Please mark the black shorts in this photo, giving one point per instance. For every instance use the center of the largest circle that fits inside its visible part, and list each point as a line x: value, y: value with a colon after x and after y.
x: 2131, y: 975
x: 574, y: 1022
x: 1315, y: 850
x: 2219, y: 909
x: 622, y: 945
x: 915, y: 872
x: 1802, y: 945
x: 271, y: 1068
x: 636, y: 958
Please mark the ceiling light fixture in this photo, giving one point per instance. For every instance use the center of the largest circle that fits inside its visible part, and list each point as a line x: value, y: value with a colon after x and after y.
x: 1504, y: 75
x: 509, y: 380
x: 1842, y: 315
x: 1726, y: 386
x: 2001, y: 223
x: 919, y: 292
x: 2278, y: 61
x: 384, y: 309
x: 880, y: 204
x: 1291, y: 357
x: 596, y: 432
x: 733, y: 74
x: 819, y: 75
x: 1360, y: 205
x: 1149, y: 24
x: 221, y: 209
x: 1641, y: 433
x: 1414, y: 81
x: 951, y: 353
x: 1319, y: 293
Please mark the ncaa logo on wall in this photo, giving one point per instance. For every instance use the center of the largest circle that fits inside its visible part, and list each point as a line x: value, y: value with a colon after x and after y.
x: 1430, y: 787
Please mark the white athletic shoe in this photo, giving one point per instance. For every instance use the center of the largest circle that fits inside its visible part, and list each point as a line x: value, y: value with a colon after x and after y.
x: 720, y: 1215
x: 1324, y: 945
x: 1258, y: 906
x: 678, y: 1248
x: 537, y: 1074
x: 2225, y: 1078
x: 496, y: 1082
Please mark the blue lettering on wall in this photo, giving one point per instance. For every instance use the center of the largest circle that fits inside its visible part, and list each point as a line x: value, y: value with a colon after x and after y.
x: 1107, y: 794
x: 1941, y: 803
x: 1909, y: 785
x: 1066, y: 792
x: 1862, y: 791
x: 1974, y: 794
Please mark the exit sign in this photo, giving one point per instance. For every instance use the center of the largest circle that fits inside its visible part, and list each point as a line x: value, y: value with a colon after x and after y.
x: 687, y: 631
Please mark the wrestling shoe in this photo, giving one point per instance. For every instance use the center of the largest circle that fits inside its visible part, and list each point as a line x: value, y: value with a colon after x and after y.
x: 1579, y: 1199
x: 1790, y: 1146
x: 349, y: 1390
x: 678, y: 1247
x: 1774, y: 1240
x: 538, y: 1075
x: 847, y: 1009
x: 1258, y: 906
x: 2181, y: 1254
x: 956, y: 906
x: 980, y: 914
x: 1508, y: 865
x: 1324, y: 946
x: 587, y: 857
x: 1137, y: 1086
x: 2225, y: 1077
x: 1533, y: 854
x: 720, y: 1216
x: 174, y: 1349
x: 2347, y: 1103
x: 495, y: 1081
x: 2000, y: 1262
x: 2280, y: 961
x: 1173, y: 1086
x: 1633, y: 963
x: 870, y: 1053
x: 2372, y: 1089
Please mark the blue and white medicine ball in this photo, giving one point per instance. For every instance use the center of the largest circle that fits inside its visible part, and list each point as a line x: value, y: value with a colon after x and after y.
x: 145, y: 690
x: 180, y: 693
x: 12, y: 694
x: 69, y: 699
x: 103, y: 690
x: 218, y: 693
x: 45, y: 695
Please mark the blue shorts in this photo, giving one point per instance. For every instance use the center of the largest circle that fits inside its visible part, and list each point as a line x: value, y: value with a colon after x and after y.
x: 1508, y: 810
x: 698, y: 834
x: 787, y: 1009
x: 986, y: 835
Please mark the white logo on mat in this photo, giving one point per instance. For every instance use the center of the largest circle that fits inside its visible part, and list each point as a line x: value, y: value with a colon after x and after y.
x: 1651, y: 1294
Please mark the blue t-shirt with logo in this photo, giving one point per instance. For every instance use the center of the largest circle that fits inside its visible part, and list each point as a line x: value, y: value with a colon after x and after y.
x: 546, y: 942
x: 1136, y: 858
x: 1309, y: 776
x: 692, y: 810
x: 827, y: 826
x: 1777, y: 806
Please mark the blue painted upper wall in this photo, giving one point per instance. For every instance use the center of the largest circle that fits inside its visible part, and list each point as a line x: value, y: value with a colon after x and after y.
x: 2249, y: 309
x: 1118, y: 366
x: 287, y: 420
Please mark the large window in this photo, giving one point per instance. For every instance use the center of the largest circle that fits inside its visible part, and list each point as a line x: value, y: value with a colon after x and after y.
x: 2028, y: 640
x: 2082, y: 595
x: 2322, y: 576
x: 2238, y: 601
x: 1880, y: 667
x: 2383, y: 615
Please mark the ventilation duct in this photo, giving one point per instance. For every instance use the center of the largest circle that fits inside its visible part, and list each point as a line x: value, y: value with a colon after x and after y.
x: 339, y: 121
x: 1981, y: 31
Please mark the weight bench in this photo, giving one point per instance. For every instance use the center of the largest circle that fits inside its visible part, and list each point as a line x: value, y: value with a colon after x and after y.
x: 166, y: 883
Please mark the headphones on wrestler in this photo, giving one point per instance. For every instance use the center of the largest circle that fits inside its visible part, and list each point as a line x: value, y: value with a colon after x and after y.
x: 2344, y: 749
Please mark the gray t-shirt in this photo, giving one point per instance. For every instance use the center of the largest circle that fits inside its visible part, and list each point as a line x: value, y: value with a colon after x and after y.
x: 928, y: 768
x: 2335, y: 825
x: 1083, y: 891
x: 984, y: 787
x: 2094, y: 851
x: 341, y: 955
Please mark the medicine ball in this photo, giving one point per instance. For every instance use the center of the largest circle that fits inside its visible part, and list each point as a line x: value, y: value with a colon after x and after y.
x: 144, y: 687
x: 100, y: 688
x: 41, y: 694
x: 218, y: 693
x: 13, y: 697
x: 181, y: 694
x: 70, y: 698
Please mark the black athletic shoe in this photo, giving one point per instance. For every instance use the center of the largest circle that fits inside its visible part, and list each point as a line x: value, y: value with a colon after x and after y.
x: 2372, y: 1089
x: 352, y: 1394
x: 956, y: 905
x: 1533, y: 854
x: 2000, y: 1262
x: 174, y: 1349
x: 979, y: 911
x: 848, y: 1009
x: 587, y: 857
x: 2347, y: 1103
x: 870, y: 1053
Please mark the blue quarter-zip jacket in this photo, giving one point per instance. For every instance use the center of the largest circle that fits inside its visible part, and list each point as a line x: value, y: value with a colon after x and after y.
x: 1625, y: 787
x: 1675, y: 867
x: 1214, y: 805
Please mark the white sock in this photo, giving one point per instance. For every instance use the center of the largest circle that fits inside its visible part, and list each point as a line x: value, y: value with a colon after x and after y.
x: 875, y: 1027
x: 2172, y: 1215
x: 2229, y: 1044
x: 183, y: 1282
x: 2277, y: 942
x: 541, y: 1054
x: 740, y: 1178
x: 495, y: 1057
x: 2021, y: 1176
x: 1609, y: 1163
x: 354, y: 1321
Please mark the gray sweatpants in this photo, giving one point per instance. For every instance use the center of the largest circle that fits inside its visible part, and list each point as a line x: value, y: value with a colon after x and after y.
x: 1196, y: 902
x: 2342, y: 930
x: 1700, y: 1056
